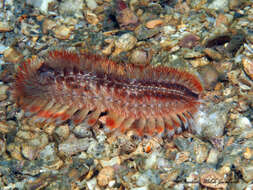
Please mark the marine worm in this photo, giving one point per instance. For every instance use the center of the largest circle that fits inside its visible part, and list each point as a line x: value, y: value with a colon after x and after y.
x: 148, y: 100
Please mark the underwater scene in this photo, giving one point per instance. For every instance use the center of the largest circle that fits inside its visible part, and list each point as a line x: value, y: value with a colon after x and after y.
x: 126, y: 94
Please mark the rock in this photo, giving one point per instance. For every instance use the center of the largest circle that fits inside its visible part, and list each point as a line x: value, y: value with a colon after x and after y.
x: 213, y: 179
x: 29, y: 151
x: 243, y: 123
x: 211, y: 121
x: 142, y: 33
x: 91, y: 4
x: 248, y: 153
x: 200, y: 151
x: 214, y: 55
x: 2, y: 147
x: 3, y: 92
x: 40, y: 141
x: 154, y: 23
x: 15, y: 151
x: 219, y: 5
x: 72, y: 7
x: 73, y: 145
x: 198, y: 62
x: 169, y: 29
x: 62, y: 32
x: 26, y: 135
x: 6, y: 127
x: 113, y: 161
x: 126, y: 42
x: 48, y: 153
x: 213, y: 156
x: 105, y: 176
x: 248, y: 66
x: 82, y: 130
x: 62, y: 132
x: 12, y: 55
x: 48, y: 25
x: 125, y: 16
x: 139, y: 57
x: 235, y: 4
x: 210, y: 76
x: 182, y: 157
x: 5, y: 27
x: 223, y: 19
x: 91, y: 18
x: 42, y: 5
x: 247, y: 172
x: 189, y: 41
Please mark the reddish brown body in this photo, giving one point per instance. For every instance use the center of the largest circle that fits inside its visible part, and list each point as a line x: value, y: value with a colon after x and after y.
x: 80, y: 87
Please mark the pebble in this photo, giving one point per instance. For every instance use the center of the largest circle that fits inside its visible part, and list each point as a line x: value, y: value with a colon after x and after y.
x: 48, y: 25
x: 82, y: 130
x: 62, y: 132
x: 248, y: 66
x: 213, y: 179
x: 48, y: 153
x: 182, y: 157
x: 248, y: 153
x: 126, y: 42
x: 169, y: 29
x: 2, y: 147
x: 189, y: 41
x: 42, y: 5
x: 213, y: 156
x: 140, y: 188
x: 219, y: 5
x: 223, y: 19
x: 73, y: 145
x: 2, y: 48
x: 3, y: 92
x: 40, y: 141
x: 29, y: 151
x: 247, y: 172
x: 210, y: 76
x: 15, y: 151
x: 200, y: 151
x: 12, y: 55
x: 72, y: 7
x: 125, y: 16
x: 151, y: 161
x: 243, y: 123
x: 139, y: 57
x: 235, y: 4
x: 62, y: 32
x: 91, y: 4
x: 91, y: 18
x: 5, y: 27
x: 111, y: 162
x: 142, y: 33
x: 6, y: 127
x: 215, y: 55
x: 26, y: 135
x: 105, y: 176
x: 92, y: 184
x: 49, y: 129
x: 211, y: 122
x: 154, y: 23
x: 198, y: 62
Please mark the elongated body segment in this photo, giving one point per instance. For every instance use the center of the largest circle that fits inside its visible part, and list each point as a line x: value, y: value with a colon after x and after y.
x: 66, y: 85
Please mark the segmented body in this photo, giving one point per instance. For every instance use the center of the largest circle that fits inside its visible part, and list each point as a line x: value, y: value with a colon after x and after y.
x: 80, y: 87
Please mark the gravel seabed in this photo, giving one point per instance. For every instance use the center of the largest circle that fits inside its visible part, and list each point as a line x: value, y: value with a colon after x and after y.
x: 213, y: 39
